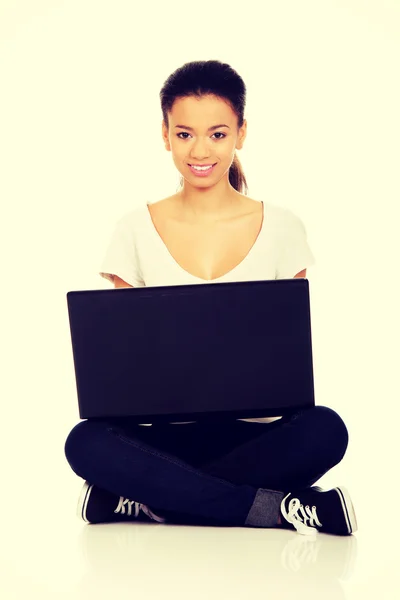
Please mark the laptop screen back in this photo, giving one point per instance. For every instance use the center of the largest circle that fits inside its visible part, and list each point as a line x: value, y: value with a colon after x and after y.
x: 191, y: 352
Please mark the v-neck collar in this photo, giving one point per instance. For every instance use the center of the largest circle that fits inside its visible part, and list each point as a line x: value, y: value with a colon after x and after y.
x: 245, y: 259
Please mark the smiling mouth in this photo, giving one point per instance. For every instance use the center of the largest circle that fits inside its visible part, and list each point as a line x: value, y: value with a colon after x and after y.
x: 202, y: 166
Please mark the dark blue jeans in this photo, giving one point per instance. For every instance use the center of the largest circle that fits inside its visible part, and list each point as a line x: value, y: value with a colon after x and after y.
x: 206, y: 473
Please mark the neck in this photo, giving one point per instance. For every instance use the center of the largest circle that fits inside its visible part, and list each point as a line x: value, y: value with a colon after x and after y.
x: 209, y: 203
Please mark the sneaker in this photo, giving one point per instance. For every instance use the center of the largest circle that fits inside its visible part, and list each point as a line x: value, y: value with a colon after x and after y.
x: 96, y: 505
x: 313, y: 509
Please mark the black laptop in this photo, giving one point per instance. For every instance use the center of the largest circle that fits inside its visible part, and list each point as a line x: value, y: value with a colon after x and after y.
x: 207, y: 352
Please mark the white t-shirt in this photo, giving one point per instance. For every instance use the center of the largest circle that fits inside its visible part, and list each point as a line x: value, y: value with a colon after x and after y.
x: 137, y: 254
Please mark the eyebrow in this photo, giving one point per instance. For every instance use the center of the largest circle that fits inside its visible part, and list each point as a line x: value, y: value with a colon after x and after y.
x: 209, y: 129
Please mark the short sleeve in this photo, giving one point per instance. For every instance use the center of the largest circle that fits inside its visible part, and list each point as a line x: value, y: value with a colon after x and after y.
x: 295, y: 253
x: 121, y: 257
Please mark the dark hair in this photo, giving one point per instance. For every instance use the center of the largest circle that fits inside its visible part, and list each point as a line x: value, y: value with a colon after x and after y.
x: 209, y: 77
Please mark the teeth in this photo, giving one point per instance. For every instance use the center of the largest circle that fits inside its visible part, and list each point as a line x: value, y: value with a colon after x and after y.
x: 201, y: 168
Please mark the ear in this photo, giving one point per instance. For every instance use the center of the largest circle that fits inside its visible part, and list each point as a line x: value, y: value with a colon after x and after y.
x: 242, y: 135
x: 164, y: 133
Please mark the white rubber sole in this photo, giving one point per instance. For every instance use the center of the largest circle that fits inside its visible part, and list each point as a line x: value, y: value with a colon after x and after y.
x: 83, y: 501
x: 348, y: 509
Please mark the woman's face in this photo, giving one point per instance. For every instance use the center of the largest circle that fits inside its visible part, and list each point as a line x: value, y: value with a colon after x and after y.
x: 193, y: 137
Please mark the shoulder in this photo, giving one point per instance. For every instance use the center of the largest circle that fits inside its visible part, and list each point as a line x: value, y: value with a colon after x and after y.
x: 133, y: 218
x: 133, y: 225
x: 283, y: 219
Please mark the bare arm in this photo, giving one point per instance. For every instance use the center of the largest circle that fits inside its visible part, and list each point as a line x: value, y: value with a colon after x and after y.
x: 120, y: 283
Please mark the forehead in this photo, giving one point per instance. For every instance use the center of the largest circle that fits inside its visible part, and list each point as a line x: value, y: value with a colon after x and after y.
x: 203, y: 111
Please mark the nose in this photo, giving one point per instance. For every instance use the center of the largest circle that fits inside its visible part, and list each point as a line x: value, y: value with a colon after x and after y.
x: 199, y: 150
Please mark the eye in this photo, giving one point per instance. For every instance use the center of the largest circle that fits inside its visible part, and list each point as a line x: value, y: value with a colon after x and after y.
x: 186, y: 133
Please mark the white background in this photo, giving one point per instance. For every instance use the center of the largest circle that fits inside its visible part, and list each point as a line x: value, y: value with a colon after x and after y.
x: 80, y: 145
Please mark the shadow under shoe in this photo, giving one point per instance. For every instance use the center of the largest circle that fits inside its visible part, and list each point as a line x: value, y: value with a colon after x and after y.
x: 96, y: 505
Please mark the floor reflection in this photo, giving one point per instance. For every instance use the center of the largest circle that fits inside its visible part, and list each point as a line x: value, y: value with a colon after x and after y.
x: 198, y: 561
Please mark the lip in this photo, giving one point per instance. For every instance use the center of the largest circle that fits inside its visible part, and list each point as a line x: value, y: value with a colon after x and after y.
x: 202, y: 173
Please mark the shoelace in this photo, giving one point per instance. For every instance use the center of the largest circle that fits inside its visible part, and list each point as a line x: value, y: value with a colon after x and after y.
x: 138, y: 506
x: 298, y: 515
